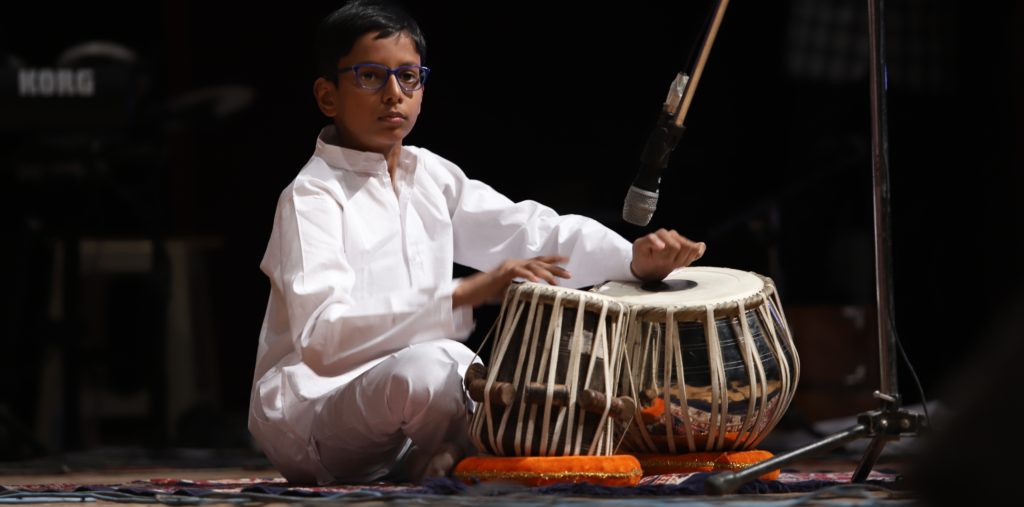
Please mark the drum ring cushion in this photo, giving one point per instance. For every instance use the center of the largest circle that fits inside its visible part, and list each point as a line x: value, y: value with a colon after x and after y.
x: 617, y: 470
x: 656, y: 464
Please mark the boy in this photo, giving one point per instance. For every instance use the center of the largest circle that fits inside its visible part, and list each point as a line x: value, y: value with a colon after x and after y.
x: 359, y: 369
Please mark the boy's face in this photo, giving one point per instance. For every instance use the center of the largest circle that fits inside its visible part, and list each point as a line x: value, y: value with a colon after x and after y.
x: 370, y: 120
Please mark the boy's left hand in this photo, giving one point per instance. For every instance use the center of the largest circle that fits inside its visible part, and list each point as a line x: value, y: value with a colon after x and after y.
x: 658, y: 253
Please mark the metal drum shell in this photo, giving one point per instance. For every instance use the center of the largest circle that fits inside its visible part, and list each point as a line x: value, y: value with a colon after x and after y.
x: 739, y: 375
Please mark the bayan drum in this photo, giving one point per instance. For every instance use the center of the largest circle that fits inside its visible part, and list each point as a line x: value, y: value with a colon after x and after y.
x: 709, y: 360
x: 549, y: 386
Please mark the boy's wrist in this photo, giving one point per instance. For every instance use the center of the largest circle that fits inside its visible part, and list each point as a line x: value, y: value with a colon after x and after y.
x: 458, y: 295
x: 633, y: 272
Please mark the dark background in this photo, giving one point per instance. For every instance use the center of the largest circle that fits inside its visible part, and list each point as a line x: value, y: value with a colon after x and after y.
x: 154, y: 347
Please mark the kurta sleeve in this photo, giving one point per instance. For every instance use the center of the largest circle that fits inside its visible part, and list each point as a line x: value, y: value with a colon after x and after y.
x: 490, y: 228
x: 334, y: 332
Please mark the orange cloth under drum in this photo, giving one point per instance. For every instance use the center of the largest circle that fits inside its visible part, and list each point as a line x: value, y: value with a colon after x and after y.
x: 653, y: 413
x: 617, y: 470
x: 656, y: 464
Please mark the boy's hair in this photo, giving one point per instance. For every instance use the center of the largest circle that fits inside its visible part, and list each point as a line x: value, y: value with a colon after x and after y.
x: 339, y: 31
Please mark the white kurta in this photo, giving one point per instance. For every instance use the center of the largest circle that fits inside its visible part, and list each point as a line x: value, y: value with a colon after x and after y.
x: 360, y: 269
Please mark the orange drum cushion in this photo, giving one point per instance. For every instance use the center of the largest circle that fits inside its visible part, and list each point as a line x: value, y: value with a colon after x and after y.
x: 619, y: 470
x: 655, y: 464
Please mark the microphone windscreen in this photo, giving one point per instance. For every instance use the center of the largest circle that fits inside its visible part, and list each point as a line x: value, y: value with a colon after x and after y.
x: 639, y: 206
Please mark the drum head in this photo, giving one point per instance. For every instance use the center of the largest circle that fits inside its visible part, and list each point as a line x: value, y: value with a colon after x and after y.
x: 570, y: 297
x: 687, y: 287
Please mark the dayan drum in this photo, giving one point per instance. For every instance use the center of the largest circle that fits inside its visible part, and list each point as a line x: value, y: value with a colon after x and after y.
x: 549, y: 387
x: 709, y: 360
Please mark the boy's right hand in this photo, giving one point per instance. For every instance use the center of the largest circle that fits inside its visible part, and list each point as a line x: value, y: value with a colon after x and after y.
x: 486, y: 286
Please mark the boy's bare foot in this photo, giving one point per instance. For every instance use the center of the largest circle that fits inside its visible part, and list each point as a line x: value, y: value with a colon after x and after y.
x: 442, y: 462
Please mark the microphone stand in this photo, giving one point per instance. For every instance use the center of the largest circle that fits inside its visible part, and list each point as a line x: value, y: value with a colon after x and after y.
x: 889, y: 422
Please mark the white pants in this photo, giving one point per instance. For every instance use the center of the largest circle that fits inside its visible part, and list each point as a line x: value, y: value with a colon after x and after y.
x: 383, y: 424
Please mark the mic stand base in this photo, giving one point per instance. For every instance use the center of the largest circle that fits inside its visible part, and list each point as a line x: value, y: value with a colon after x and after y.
x: 881, y: 426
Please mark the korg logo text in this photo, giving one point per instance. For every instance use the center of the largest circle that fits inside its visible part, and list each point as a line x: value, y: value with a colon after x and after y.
x: 46, y: 82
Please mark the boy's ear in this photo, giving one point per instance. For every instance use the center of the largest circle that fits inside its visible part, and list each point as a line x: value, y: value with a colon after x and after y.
x: 325, y: 93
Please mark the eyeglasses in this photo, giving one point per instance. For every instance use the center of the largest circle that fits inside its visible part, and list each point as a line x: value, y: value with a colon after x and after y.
x: 373, y: 76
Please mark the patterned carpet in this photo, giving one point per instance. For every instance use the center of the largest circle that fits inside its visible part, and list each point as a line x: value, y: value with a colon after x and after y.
x: 177, y: 490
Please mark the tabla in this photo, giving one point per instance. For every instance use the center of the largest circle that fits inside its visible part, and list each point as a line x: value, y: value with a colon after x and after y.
x: 709, y: 360
x: 549, y: 387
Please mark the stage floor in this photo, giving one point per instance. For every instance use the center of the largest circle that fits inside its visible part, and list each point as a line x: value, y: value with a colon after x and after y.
x: 110, y: 482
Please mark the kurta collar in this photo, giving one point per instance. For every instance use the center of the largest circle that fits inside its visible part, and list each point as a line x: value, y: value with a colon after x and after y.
x: 355, y: 160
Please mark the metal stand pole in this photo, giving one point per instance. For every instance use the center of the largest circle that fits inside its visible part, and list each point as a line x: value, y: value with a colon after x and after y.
x: 890, y: 422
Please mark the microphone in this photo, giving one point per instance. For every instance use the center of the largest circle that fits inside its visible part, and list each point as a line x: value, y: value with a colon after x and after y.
x: 642, y: 197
